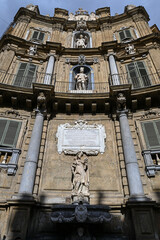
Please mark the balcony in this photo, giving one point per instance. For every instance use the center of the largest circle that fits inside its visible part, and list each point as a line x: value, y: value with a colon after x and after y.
x: 140, y: 82
x: 136, y: 82
x: 25, y: 81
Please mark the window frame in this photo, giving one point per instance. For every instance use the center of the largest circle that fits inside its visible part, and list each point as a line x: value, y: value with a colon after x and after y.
x: 6, y: 130
x: 126, y: 39
x: 26, y: 70
x: 139, y: 77
x: 146, y: 139
x: 37, y: 39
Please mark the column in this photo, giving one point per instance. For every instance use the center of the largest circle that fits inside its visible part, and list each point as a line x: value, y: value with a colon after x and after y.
x: 113, y: 70
x: 132, y: 168
x: 30, y: 166
x: 49, y: 70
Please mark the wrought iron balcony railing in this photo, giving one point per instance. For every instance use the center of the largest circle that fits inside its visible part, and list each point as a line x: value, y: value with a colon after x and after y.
x: 136, y: 81
x: 26, y: 81
x: 66, y: 87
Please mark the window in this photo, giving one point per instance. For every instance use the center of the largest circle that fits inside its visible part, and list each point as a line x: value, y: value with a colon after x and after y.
x: 38, y: 36
x: 9, y: 132
x: 26, y: 75
x: 151, y: 131
x: 138, y: 75
x: 125, y: 35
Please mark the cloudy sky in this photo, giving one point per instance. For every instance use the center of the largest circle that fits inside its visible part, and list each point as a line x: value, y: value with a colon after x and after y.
x: 8, y: 8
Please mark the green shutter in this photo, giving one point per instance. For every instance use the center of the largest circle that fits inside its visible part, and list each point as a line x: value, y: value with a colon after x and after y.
x: 122, y: 36
x: 133, y: 75
x: 3, y: 123
x: 35, y: 35
x: 41, y: 36
x: 128, y: 33
x: 151, y: 134
x: 9, y: 131
x: 29, y: 75
x: 143, y: 73
x: 25, y: 75
x: 20, y: 75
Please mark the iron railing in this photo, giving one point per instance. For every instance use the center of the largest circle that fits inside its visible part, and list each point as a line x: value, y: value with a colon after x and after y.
x: 69, y: 87
x: 26, y: 81
x: 135, y: 81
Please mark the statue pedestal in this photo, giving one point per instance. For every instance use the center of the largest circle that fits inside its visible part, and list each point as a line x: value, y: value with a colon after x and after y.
x: 80, y: 199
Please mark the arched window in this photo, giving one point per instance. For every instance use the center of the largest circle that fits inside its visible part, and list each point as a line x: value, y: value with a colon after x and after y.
x: 81, y: 40
x: 81, y: 78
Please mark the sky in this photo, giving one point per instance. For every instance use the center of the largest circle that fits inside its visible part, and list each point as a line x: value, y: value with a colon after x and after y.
x: 8, y: 8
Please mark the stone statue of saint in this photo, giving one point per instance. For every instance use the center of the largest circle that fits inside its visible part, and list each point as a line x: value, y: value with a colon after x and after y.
x: 81, y: 42
x: 80, y: 177
x: 81, y: 80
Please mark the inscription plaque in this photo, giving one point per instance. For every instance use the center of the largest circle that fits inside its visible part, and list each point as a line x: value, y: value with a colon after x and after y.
x: 81, y: 137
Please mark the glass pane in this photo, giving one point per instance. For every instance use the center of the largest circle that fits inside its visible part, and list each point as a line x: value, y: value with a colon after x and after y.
x: 151, y: 134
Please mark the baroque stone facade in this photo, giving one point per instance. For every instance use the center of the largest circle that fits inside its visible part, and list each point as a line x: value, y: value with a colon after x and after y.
x: 80, y: 126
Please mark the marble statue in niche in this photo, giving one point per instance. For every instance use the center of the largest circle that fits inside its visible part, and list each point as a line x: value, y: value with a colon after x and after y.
x: 81, y: 42
x: 80, y: 178
x: 81, y: 80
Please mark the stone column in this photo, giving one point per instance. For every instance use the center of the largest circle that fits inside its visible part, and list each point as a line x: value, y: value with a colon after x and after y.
x: 49, y: 70
x: 30, y: 166
x: 132, y: 168
x: 113, y: 70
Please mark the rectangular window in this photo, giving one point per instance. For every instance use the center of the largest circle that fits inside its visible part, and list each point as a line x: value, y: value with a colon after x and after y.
x: 26, y: 75
x: 138, y: 75
x: 125, y: 35
x: 9, y: 132
x: 38, y: 36
x: 151, y: 131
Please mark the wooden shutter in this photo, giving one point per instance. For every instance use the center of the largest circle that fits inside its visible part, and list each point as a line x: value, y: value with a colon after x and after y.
x: 9, y: 135
x: 133, y: 74
x: 20, y: 75
x: 41, y: 36
x: 35, y: 35
x: 29, y: 75
x: 122, y: 36
x: 151, y: 132
x: 128, y: 33
x: 143, y: 73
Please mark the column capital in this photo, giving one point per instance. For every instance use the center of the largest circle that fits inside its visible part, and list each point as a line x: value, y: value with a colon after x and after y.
x: 122, y: 113
x: 111, y: 54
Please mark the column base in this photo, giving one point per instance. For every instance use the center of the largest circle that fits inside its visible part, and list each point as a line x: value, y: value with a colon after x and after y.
x: 23, y: 197
x: 137, y: 198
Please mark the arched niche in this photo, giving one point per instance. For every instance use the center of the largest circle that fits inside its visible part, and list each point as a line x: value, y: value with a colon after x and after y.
x: 86, y: 35
x: 72, y: 78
